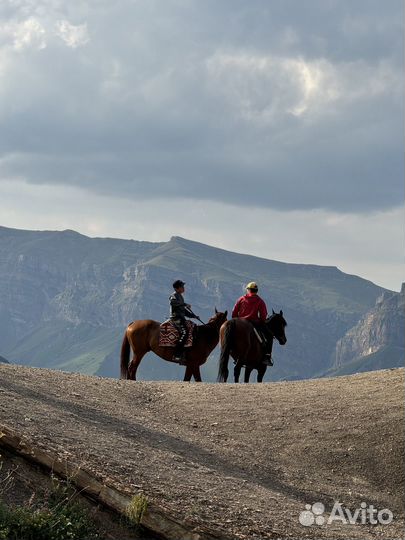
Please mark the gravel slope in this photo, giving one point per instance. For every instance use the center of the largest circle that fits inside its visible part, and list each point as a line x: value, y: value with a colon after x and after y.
x: 244, y: 459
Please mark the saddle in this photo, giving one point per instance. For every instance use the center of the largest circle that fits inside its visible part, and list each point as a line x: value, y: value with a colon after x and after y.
x: 169, y: 334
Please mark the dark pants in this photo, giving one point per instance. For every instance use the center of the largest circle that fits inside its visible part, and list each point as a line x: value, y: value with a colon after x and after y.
x: 183, y: 330
x: 266, y: 335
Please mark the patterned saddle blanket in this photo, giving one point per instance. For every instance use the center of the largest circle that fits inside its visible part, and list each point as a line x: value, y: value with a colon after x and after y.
x: 169, y: 334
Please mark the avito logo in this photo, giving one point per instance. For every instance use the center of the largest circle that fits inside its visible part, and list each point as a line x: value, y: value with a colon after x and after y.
x: 366, y: 514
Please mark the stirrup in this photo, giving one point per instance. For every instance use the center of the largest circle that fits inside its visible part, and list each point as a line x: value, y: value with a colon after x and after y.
x: 268, y: 360
x: 180, y: 359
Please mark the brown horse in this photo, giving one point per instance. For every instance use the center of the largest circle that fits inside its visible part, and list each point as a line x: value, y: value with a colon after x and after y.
x: 143, y: 336
x: 239, y: 339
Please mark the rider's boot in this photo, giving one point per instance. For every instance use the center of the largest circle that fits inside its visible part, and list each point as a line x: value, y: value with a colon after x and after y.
x: 179, y: 355
x: 268, y: 360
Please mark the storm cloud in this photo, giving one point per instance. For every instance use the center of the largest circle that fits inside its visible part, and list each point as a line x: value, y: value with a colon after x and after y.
x: 285, y: 105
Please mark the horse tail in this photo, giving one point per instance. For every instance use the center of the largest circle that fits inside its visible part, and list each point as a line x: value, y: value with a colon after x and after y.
x: 225, y: 351
x: 125, y: 350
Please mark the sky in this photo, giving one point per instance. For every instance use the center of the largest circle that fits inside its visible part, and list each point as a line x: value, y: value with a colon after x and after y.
x: 268, y: 127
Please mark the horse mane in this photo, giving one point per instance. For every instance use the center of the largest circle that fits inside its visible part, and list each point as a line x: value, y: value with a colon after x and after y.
x: 213, y: 323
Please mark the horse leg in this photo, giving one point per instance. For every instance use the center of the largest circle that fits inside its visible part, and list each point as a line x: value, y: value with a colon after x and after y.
x: 236, y: 371
x: 188, y: 374
x: 133, y: 366
x: 260, y: 373
x: 197, y: 373
x: 248, y: 371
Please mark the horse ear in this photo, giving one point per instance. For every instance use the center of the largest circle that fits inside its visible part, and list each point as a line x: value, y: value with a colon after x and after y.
x: 226, y: 313
x: 273, y: 311
x: 281, y: 312
x: 216, y: 311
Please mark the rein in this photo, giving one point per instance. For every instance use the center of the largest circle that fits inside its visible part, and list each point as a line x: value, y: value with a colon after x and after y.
x: 212, y: 323
x: 273, y: 337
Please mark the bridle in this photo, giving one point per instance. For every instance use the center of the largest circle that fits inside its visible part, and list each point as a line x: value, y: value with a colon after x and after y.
x: 267, y: 323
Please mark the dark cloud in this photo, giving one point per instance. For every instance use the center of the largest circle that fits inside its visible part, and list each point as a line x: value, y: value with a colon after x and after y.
x: 283, y: 104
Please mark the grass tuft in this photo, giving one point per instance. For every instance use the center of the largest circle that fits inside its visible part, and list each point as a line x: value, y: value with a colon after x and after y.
x: 136, y: 509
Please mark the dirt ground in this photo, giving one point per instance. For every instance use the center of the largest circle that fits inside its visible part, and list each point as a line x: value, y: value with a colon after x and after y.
x: 242, y: 459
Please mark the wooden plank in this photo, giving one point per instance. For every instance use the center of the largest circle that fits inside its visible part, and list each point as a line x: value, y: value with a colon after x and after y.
x: 155, y: 519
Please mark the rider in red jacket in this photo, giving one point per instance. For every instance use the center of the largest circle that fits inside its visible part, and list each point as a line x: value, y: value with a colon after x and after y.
x: 252, y: 307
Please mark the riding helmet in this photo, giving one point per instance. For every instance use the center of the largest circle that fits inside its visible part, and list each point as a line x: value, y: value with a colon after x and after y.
x: 252, y: 286
x: 178, y: 283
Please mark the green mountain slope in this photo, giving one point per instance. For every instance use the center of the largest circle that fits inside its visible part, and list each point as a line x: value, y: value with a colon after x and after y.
x: 67, y: 346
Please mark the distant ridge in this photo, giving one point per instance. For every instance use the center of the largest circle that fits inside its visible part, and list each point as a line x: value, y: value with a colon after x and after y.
x: 65, y: 299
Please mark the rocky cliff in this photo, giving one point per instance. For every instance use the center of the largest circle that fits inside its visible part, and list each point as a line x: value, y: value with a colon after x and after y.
x: 378, y: 337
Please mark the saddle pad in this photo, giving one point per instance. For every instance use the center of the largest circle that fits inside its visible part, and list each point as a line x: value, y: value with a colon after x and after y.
x: 169, y: 334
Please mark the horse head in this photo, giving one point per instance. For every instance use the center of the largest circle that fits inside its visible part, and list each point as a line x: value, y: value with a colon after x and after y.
x: 277, y: 324
x: 219, y: 318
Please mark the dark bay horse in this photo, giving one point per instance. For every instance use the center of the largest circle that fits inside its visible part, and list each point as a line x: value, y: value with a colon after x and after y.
x: 143, y: 336
x: 238, y: 339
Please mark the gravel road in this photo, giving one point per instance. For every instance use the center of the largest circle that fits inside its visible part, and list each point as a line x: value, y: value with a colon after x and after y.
x: 244, y: 459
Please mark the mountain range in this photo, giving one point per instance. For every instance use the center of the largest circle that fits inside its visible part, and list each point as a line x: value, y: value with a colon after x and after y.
x: 65, y: 301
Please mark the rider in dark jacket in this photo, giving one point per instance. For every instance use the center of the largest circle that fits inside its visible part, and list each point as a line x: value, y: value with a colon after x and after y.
x: 179, y: 310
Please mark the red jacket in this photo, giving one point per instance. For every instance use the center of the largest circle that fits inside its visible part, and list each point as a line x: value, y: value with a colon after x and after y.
x: 250, y: 306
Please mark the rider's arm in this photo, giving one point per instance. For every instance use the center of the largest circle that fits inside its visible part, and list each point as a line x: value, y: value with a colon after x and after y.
x: 235, y: 311
x: 262, y: 311
x: 176, y: 300
x: 188, y: 312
